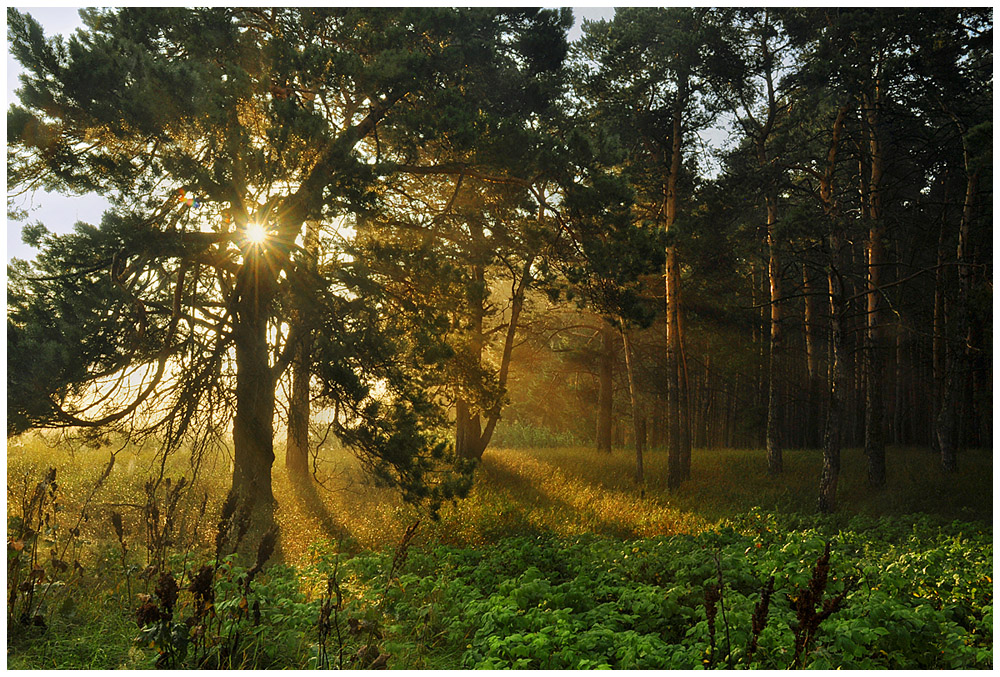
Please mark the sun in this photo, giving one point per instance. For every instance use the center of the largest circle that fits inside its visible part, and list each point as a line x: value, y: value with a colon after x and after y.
x: 256, y: 234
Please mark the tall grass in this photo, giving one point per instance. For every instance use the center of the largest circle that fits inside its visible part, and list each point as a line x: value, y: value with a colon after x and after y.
x: 560, y: 490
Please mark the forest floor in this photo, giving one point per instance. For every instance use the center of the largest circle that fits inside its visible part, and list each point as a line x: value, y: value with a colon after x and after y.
x: 556, y: 512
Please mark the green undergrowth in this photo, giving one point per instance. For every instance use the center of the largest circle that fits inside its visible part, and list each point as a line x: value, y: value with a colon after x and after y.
x: 912, y: 593
x: 761, y: 591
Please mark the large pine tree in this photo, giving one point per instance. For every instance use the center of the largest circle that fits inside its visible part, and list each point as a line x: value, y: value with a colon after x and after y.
x: 218, y: 134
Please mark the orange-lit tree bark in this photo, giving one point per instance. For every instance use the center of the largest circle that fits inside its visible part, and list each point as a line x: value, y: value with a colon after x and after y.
x: 672, y: 280
x: 875, y: 342
x: 747, y: 82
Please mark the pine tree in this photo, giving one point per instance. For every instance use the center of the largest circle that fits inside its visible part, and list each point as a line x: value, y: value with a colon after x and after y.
x: 218, y: 134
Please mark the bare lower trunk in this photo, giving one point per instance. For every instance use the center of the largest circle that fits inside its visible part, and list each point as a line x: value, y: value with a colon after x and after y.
x: 837, y: 376
x: 838, y: 383
x: 813, y: 437
x: 638, y: 422
x: 956, y: 353
x: 875, y: 367
x: 775, y: 372
x: 516, y: 306
x: 684, y: 415
x: 253, y: 427
x: 875, y: 331
x: 297, y: 440
x: 606, y: 389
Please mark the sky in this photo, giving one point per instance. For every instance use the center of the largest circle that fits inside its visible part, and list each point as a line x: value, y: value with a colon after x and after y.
x: 60, y: 212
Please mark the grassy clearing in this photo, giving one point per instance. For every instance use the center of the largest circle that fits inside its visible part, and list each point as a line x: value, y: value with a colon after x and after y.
x: 565, y: 491
x: 558, y: 493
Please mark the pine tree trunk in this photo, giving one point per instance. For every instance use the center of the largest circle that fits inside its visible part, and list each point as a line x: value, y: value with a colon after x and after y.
x: 468, y: 427
x: 676, y: 436
x: 956, y: 354
x: 838, y: 383
x: 253, y: 427
x: 813, y: 438
x: 775, y: 372
x: 638, y: 421
x: 938, y: 339
x: 875, y: 330
x: 684, y: 414
x: 605, y: 396
x: 837, y: 376
x: 516, y: 306
x: 297, y: 439
x: 467, y: 431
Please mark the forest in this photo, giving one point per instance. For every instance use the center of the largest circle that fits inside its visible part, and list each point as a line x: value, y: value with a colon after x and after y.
x: 459, y: 338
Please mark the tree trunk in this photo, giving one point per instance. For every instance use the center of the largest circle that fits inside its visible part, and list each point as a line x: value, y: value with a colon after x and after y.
x: 675, y: 421
x: 253, y: 427
x: 467, y: 430
x: 838, y: 380
x: 297, y: 439
x: 684, y: 414
x: 813, y: 438
x: 605, y: 388
x: 938, y: 338
x: 875, y: 330
x: 956, y: 353
x: 833, y: 439
x: 468, y: 427
x: 775, y: 372
x: 675, y: 471
x: 638, y: 421
x: 516, y: 305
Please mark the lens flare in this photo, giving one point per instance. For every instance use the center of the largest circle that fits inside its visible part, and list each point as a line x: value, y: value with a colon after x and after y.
x: 256, y: 234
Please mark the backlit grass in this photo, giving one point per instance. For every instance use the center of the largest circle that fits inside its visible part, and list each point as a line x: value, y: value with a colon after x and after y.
x: 564, y: 491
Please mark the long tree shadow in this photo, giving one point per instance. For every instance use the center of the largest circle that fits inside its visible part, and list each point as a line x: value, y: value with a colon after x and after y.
x: 309, y: 503
x: 520, y: 487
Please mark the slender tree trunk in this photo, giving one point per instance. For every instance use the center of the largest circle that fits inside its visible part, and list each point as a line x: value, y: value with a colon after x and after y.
x: 775, y: 372
x: 838, y: 380
x: 833, y: 439
x: 939, y: 330
x: 675, y: 468
x: 639, y: 433
x: 605, y: 396
x: 813, y: 438
x: 684, y: 386
x: 675, y: 421
x: 297, y: 439
x: 703, y: 439
x: 517, y: 305
x: 956, y: 353
x: 877, y: 261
